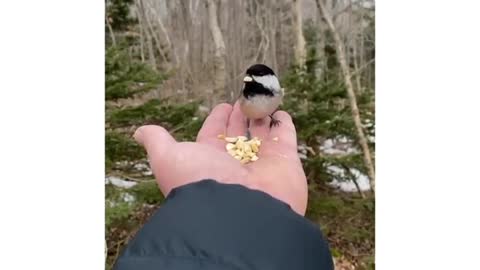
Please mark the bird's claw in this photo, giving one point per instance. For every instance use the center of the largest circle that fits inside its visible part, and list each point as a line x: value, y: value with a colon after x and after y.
x: 274, y: 122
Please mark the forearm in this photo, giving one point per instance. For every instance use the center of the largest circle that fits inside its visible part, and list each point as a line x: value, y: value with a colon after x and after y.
x: 208, y: 225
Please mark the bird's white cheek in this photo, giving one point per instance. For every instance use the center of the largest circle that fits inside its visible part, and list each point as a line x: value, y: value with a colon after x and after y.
x: 268, y: 81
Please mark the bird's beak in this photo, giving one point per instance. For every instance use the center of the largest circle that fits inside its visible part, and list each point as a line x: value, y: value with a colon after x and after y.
x: 247, y: 79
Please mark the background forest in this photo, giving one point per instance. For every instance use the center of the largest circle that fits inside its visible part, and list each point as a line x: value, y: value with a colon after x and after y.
x: 169, y: 62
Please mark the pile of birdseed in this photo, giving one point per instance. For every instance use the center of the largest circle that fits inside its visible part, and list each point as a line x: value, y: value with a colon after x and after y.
x: 241, y: 148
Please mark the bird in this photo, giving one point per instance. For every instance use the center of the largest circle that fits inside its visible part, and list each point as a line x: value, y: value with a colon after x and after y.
x: 261, y: 94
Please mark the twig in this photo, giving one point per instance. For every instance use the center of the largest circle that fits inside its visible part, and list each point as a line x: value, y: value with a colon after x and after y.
x: 133, y: 179
x: 357, y: 72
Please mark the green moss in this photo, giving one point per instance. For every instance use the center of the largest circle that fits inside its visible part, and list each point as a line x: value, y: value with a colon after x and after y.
x: 367, y: 263
x: 335, y: 252
x: 346, y: 220
x: 147, y: 192
x: 117, y: 211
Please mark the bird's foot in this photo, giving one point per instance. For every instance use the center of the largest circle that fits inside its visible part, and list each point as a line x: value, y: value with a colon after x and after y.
x: 274, y: 122
x: 248, y: 135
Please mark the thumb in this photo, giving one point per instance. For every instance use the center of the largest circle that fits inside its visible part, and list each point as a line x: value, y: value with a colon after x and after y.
x: 155, y: 139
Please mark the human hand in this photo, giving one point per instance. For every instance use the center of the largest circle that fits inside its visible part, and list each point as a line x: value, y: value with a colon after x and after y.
x: 278, y: 171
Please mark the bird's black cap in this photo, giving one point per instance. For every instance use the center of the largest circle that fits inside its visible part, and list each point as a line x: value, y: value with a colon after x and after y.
x: 259, y: 70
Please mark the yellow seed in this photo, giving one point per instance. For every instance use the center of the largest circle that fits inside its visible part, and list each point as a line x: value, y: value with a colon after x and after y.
x: 245, y: 160
x: 231, y: 152
x: 237, y: 157
x: 221, y: 136
x: 239, y: 144
x: 254, y: 147
x: 239, y: 152
x: 243, y: 138
x: 247, y: 148
x: 230, y: 146
x: 254, y: 158
x: 250, y: 154
x: 231, y: 139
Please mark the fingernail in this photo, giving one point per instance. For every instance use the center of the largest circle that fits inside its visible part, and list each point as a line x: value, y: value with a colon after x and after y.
x: 138, y: 135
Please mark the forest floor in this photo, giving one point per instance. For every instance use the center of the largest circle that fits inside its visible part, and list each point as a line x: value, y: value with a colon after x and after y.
x: 347, y: 221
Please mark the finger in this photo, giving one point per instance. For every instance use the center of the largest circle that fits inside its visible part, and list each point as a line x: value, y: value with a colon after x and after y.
x: 158, y: 143
x: 156, y: 140
x: 237, y: 124
x: 215, y: 124
x: 285, y: 133
x: 260, y: 128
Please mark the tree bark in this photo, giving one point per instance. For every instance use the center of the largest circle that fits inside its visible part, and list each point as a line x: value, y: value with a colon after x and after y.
x: 300, y: 50
x: 142, y: 17
x: 169, y: 46
x: 219, y: 79
x: 351, y: 94
x: 153, y: 34
x: 110, y: 30
x: 142, y: 34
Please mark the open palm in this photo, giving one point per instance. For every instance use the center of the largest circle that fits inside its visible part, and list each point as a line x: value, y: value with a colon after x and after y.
x: 278, y: 171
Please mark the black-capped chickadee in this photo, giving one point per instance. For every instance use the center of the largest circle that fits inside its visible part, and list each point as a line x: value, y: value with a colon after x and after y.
x: 261, y: 94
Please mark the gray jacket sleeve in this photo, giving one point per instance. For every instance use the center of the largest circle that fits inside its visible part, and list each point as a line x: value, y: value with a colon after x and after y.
x: 208, y: 225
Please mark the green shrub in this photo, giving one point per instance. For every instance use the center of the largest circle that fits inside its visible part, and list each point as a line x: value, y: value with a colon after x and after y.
x: 125, y: 78
x: 147, y: 192
x: 119, y: 147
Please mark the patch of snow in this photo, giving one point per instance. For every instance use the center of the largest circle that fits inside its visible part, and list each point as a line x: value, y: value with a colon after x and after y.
x: 119, y: 182
x: 343, y: 139
x: 349, y: 185
x: 204, y: 109
x: 352, y: 150
x: 123, y: 163
x: 333, y: 151
x: 141, y: 167
x: 111, y: 203
x: 302, y: 148
x: 327, y: 144
x: 302, y: 151
x: 127, y: 197
x: 339, y: 146
x: 147, y: 173
x: 302, y: 156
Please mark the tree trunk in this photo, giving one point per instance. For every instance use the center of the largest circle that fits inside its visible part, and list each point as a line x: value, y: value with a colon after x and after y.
x: 142, y: 18
x: 357, y: 69
x: 351, y: 94
x: 110, y: 30
x: 300, y: 50
x: 151, y: 54
x: 142, y: 34
x: 153, y: 34
x: 219, y: 79
x: 169, y: 48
